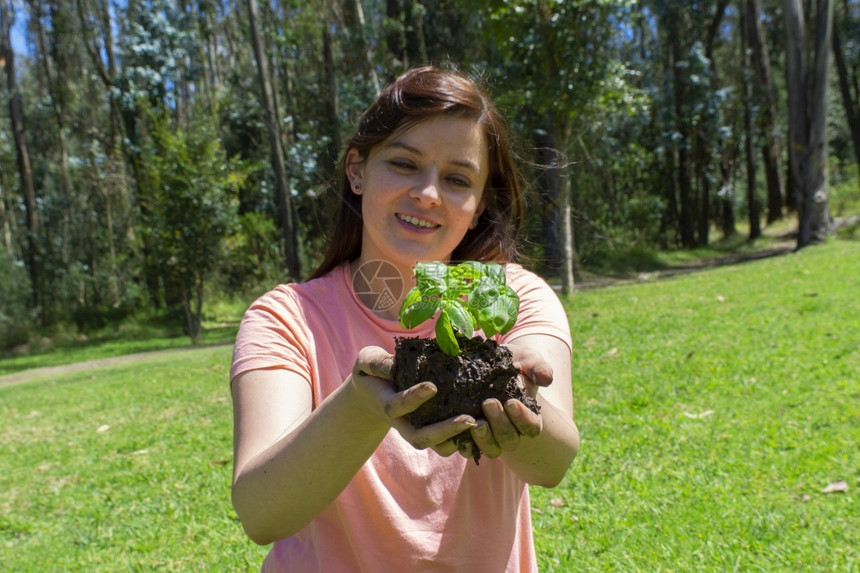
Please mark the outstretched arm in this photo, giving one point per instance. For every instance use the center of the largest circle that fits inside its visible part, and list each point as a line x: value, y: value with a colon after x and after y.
x: 538, y: 447
x: 291, y: 461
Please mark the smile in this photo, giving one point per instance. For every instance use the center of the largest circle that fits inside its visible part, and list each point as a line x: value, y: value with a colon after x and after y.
x: 417, y: 222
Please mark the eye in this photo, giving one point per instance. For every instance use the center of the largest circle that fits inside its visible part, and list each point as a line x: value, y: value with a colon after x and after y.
x: 460, y: 181
x: 402, y: 164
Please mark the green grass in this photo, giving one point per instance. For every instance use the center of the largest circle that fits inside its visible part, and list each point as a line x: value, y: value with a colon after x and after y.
x: 714, y: 408
x: 125, y: 468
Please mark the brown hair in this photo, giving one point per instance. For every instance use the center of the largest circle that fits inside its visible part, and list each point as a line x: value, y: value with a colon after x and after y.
x: 415, y: 96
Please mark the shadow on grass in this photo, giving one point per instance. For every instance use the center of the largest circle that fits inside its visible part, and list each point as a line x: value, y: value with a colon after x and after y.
x: 636, y: 263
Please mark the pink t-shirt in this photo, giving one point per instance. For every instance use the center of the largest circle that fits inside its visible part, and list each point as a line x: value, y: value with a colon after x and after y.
x: 406, y: 509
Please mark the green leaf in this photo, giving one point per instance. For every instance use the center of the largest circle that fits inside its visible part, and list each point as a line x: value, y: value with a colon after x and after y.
x: 446, y: 338
x: 470, y: 270
x: 494, y: 307
x: 459, y: 317
x: 417, y: 308
x: 431, y: 278
x: 470, y: 295
x: 496, y: 273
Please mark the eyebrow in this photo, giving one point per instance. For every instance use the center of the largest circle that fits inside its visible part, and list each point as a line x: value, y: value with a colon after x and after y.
x: 461, y: 162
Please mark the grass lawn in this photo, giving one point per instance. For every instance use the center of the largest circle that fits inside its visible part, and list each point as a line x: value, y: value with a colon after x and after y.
x: 715, y: 409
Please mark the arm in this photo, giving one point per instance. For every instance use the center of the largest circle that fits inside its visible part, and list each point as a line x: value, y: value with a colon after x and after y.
x: 291, y: 461
x: 538, y: 448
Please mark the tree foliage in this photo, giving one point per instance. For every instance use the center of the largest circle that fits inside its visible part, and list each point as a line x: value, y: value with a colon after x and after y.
x: 136, y: 147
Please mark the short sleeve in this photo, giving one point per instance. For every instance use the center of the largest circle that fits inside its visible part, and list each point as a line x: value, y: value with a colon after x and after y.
x: 541, y: 311
x: 273, y: 334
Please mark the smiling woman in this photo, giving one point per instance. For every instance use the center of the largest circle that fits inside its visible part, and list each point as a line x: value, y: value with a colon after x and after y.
x: 416, y: 96
x: 420, y: 198
x: 327, y: 465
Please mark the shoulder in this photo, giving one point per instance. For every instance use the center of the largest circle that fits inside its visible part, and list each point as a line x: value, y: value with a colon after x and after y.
x: 541, y: 310
x: 296, y: 298
x: 280, y: 327
x: 526, y: 282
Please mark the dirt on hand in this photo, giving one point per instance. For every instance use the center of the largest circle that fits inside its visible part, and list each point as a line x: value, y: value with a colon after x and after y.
x: 483, y: 370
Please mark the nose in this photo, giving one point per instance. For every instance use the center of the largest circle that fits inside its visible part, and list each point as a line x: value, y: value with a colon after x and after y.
x: 426, y: 190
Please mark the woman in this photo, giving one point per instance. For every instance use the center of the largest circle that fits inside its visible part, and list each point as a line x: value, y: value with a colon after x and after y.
x: 326, y: 466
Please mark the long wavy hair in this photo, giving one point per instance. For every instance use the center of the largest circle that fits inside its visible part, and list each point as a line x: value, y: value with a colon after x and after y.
x: 417, y: 95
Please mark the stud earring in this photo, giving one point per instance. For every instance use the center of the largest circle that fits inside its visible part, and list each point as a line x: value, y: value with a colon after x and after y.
x: 357, y: 187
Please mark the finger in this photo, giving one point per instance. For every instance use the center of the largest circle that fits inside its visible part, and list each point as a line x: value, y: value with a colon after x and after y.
x: 465, y: 449
x: 532, y: 365
x: 524, y: 420
x: 446, y: 448
x: 486, y: 442
x: 409, y: 400
x: 374, y: 361
x: 505, y: 433
x: 432, y: 435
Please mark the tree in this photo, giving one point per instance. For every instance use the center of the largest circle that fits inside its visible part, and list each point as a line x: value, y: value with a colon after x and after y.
x: 807, y: 102
x: 25, y: 172
x: 285, y: 207
x: 560, y: 53
x: 848, y: 84
x: 194, y: 209
x: 766, y: 96
x: 748, y: 36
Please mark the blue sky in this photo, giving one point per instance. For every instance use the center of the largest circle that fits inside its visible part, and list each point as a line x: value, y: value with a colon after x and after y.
x: 19, y: 29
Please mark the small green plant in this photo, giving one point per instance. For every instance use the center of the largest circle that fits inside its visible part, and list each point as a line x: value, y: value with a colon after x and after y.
x: 467, y: 296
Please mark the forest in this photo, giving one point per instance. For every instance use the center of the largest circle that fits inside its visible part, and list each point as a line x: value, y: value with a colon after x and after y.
x: 157, y: 153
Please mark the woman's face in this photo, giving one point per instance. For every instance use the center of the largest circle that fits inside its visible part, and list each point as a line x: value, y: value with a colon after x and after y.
x: 421, y: 191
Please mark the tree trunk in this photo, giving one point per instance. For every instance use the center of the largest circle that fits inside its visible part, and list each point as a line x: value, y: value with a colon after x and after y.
x: 332, y: 123
x: 754, y: 212
x: 548, y: 184
x: 795, y: 80
x: 816, y: 204
x: 16, y: 115
x: 808, y: 118
x: 416, y: 40
x: 849, y: 102
x: 686, y: 223
x: 704, y: 214
x: 54, y: 67
x: 288, y: 224
x: 353, y: 16
x: 771, y: 153
x: 396, y: 38
x: 568, y: 249
x: 6, y: 221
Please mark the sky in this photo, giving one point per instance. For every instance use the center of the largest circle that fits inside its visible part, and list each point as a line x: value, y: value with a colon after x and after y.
x: 19, y: 45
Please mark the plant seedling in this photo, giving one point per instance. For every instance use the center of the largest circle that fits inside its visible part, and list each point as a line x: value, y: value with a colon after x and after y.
x: 466, y: 369
x: 467, y: 296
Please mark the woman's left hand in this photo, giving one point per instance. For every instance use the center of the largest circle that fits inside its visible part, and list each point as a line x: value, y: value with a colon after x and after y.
x: 506, y: 424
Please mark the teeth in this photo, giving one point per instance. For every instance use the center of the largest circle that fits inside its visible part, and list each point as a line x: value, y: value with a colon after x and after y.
x: 417, y: 222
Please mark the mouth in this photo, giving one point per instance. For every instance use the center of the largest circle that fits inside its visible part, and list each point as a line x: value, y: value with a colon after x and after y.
x: 416, y: 222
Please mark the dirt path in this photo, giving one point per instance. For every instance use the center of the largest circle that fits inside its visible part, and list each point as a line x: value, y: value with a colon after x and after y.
x: 48, y: 371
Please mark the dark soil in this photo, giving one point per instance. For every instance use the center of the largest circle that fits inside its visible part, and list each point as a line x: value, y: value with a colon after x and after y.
x: 483, y: 370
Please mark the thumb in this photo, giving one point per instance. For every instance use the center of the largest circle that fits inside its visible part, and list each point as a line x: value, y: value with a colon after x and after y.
x: 374, y: 361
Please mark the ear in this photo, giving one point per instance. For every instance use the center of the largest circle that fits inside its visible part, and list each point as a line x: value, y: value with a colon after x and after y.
x: 478, y: 212
x: 354, y: 167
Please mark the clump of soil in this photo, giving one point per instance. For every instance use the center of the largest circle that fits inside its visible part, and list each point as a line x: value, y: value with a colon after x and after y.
x: 483, y: 370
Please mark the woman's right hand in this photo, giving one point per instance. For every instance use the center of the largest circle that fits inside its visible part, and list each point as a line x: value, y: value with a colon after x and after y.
x: 371, y: 378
